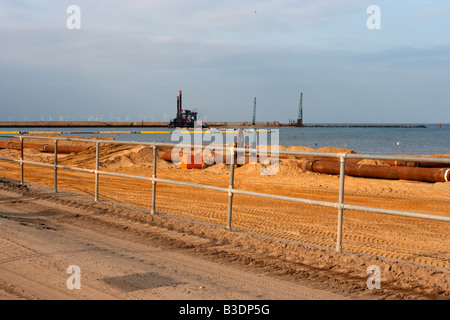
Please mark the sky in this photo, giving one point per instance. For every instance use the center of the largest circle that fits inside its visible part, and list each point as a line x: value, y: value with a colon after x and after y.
x: 129, y: 59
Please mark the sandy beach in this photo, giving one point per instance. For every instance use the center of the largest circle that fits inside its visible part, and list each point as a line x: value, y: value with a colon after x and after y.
x: 279, y: 237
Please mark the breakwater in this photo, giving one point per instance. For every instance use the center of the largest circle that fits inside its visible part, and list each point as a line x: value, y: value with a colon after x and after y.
x: 124, y: 124
x: 78, y: 124
x: 362, y: 126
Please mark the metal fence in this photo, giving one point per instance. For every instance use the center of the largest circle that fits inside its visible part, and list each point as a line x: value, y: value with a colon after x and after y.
x: 340, y: 205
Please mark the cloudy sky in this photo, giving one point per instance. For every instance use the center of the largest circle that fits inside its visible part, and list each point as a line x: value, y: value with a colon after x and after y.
x: 129, y: 59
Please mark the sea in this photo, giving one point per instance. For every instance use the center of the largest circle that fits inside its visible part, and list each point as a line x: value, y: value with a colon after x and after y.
x: 362, y: 138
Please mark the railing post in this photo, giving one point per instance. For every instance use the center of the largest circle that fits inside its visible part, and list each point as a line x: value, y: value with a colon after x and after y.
x: 153, y: 181
x: 97, y: 159
x: 56, y: 163
x: 341, y: 203
x: 230, y: 193
x: 21, y: 160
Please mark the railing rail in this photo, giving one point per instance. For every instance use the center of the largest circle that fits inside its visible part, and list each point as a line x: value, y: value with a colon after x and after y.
x: 231, y: 190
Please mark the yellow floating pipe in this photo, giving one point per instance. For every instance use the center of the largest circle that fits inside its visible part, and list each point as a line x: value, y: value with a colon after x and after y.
x: 154, y: 132
x: 109, y: 132
x: 40, y: 132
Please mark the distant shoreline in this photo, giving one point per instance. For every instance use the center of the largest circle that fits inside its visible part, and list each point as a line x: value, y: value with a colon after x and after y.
x: 364, y: 126
x: 100, y: 124
x: 72, y: 124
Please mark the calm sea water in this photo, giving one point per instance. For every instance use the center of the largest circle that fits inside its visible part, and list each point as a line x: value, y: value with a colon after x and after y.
x: 430, y: 140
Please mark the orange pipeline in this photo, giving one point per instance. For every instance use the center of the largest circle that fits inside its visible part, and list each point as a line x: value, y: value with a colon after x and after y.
x: 43, y: 147
x: 382, y: 172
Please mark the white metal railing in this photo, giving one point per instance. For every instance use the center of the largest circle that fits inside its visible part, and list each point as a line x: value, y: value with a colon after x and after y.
x: 340, y: 205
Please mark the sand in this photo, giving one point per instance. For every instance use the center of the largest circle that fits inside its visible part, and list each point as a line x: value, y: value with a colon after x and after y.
x: 413, y: 254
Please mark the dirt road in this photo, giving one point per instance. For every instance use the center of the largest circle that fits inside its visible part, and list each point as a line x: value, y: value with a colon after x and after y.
x: 40, y: 240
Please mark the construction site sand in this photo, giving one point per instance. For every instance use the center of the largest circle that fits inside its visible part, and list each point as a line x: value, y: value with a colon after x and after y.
x: 413, y: 253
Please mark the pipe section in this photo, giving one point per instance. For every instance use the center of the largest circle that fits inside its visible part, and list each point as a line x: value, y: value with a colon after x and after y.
x: 43, y: 147
x: 423, y: 164
x: 382, y: 172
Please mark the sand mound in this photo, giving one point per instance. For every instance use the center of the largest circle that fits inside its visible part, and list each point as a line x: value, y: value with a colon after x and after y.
x: 334, y: 150
x: 295, y: 148
x: 219, y: 168
x: 133, y: 156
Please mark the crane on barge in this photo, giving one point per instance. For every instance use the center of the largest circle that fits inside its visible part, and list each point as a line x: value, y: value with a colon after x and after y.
x: 185, y: 118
